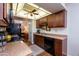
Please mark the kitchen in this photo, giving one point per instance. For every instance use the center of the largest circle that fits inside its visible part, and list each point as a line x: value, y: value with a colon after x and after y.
x: 43, y: 24
x: 52, y: 26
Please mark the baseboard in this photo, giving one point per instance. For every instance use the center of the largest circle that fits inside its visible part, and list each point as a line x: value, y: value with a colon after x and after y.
x: 64, y: 54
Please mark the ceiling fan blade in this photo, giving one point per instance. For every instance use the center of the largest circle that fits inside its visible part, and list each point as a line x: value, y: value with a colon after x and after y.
x: 34, y: 10
x: 36, y: 13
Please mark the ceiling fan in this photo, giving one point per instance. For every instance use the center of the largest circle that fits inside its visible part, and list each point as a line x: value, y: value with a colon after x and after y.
x: 32, y: 13
x: 30, y: 9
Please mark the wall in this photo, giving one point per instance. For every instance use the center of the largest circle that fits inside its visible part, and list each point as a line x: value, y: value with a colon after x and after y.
x: 73, y: 29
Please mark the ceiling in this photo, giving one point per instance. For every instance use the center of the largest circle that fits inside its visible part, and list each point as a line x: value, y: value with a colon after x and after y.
x: 44, y: 9
x: 25, y: 10
x: 51, y: 7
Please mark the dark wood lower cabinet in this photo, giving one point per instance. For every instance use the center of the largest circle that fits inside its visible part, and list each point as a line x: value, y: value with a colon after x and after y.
x: 58, y: 47
x: 25, y: 37
x: 51, y: 45
x: 39, y: 40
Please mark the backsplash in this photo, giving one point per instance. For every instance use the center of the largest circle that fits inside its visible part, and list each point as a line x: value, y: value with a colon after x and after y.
x: 56, y: 31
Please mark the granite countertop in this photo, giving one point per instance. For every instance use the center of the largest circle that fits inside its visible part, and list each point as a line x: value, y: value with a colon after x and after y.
x: 56, y: 36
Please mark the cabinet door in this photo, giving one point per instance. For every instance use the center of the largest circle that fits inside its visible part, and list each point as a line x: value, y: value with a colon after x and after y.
x: 60, y: 19
x: 58, y: 47
x: 37, y: 23
x: 39, y: 40
x: 1, y: 10
x: 43, y: 21
x: 51, y: 20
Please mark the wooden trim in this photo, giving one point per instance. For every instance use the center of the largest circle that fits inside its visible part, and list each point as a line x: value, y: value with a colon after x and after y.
x: 5, y: 18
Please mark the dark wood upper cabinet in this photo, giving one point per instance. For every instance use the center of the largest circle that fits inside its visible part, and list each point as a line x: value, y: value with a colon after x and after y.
x: 56, y: 20
x: 1, y: 10
x: 41, y: 22
x: 51, y: 20
x: 37, y: 23
x: 60, y: 19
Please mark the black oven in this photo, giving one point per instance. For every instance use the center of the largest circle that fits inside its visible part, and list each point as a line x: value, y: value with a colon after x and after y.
x: 49, y: 45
